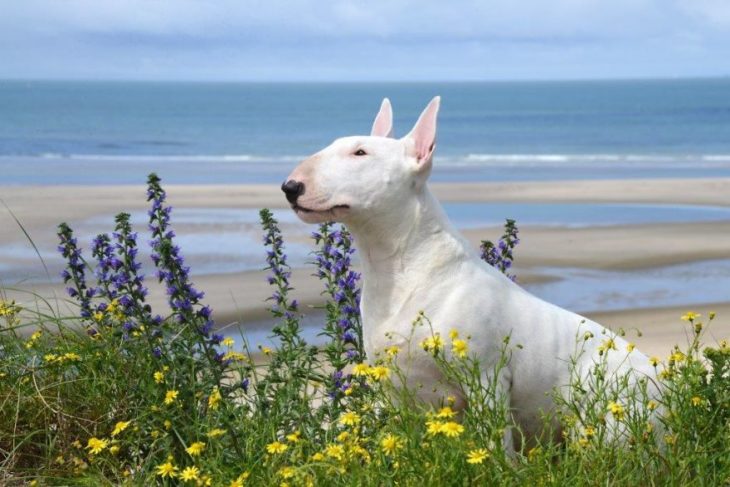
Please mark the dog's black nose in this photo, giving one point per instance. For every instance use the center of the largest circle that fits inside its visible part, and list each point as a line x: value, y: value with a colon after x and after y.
x: 292, y: 189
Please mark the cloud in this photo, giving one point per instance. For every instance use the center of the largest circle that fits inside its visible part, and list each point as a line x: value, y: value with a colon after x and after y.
x: 349, y: 39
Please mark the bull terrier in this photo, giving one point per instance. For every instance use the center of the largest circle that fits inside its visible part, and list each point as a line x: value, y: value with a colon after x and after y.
x: 413, y: 260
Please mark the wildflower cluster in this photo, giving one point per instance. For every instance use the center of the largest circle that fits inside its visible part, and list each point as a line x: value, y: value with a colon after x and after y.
x: 184, y: 299
x: 163, y: 400
x: 9, y: 312
x: 283, y: 308
x: 75, y: 272
x: 500, y: 256
x: 290, y: 364
x: 334, y: 267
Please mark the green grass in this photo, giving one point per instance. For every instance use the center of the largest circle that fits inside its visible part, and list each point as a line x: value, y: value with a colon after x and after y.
x: 119, y: 397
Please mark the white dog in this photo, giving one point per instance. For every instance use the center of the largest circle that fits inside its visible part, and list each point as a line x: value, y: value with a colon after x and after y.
x: 413, y: 259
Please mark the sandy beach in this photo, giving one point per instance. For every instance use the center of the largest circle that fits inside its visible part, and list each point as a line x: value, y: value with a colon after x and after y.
x: 238, y: 296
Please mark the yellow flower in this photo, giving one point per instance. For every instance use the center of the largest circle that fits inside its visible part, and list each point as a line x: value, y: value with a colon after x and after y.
x: 70, y: 356
x: 630, y: 347
x: 293, y: 437
x: 433, y: 427
x: 195, y: 449
x: 287, y: 472
x: 360, y: 370
x: 33, y: 338
x: 454, y: 333
x: 276, y: 447
x: 266, y: 350
x: 98, y: 316
x: 342, y: 437
x: 616, y: 409
x: 690, y: 316
x: 697, y: 401
x: 452, y: 429
x: 214, y: 399
x: 433, y: 343
x: 170, y: 396
x: 119, y: 427
x: 228, y: 341
x: 168, y: 424
x: 445, y: 412
x: 677, y: 356
x: 350, y: 418
x: 607, y: 345
x: 317, y: 457
x: 379, y: 373
x: 654, y: 361
x: 240, y: 480
x: 652, y: 405
x: 392, y: 351
x: 114, y: 449
x: 50, y: 357
x: 361, y: 452
x: 9, y: 308
x: 477, y: 456
x: 95, y: 445
x: 216, y: 432
x: 459, y: 348
x: 234, y: 355
x: 589, y: 432
x: 167, y: 470
x: 189, y: 473
x: 390, y: 444
x: 159, y: 377
x: 335, y: 451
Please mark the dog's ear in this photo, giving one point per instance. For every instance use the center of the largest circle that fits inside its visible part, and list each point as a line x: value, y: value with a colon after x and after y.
x: 424, y: 133
x: 383, y: 124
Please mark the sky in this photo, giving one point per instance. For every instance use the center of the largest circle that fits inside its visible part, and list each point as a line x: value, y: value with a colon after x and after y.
x: 364, y: 40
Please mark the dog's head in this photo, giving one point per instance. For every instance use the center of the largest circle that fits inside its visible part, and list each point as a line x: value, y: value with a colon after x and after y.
x: 361, y: 175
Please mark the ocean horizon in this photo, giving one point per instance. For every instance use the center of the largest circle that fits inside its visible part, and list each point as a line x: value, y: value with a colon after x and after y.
x: 72, y: 132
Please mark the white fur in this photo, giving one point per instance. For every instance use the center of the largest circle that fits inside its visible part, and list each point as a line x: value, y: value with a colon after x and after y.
x: 414, y: 259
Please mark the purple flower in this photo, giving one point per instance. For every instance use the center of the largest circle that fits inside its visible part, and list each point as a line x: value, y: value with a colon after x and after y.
x: 500, y: 256
x: 75, y: 267
x: 343, y: 328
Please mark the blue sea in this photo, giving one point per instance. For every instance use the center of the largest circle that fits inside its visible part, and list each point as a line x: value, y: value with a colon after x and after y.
x: 118, y: 132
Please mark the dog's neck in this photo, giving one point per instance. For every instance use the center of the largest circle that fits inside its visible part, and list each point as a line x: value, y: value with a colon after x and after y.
x: 399, y: 249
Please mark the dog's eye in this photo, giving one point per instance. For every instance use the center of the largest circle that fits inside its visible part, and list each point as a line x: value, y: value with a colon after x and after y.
x: 360, y: 152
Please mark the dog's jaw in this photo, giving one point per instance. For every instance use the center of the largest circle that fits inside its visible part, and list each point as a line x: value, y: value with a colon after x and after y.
x: 311, y: 215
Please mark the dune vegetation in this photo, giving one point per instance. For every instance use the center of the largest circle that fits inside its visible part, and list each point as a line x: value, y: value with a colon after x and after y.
x: 122, y: 394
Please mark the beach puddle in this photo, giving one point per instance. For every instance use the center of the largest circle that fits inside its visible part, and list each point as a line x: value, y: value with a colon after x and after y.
x: 585, y: 290
x: 578, y: 215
